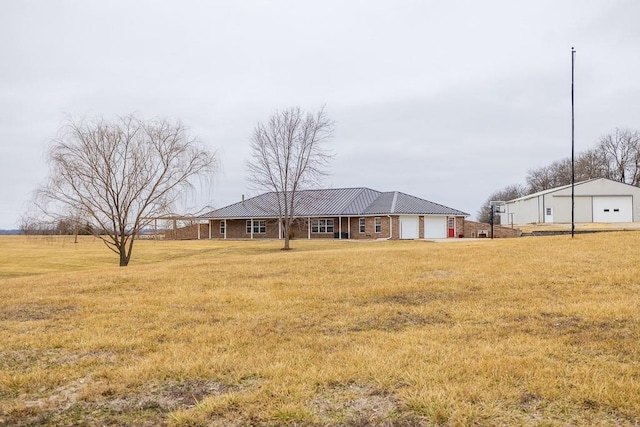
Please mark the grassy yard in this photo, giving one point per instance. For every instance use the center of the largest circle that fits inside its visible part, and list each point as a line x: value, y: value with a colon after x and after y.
x: 530, y: 331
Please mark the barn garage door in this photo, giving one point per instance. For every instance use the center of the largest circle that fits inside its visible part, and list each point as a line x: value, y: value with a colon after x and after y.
x: 409, y: 228
x: 435, y: 227
x: 612, y: 209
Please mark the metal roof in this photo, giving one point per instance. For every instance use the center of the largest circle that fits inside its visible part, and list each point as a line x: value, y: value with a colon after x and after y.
x: 407, y: 204
x: 550, y: 190
x: 334, y: 202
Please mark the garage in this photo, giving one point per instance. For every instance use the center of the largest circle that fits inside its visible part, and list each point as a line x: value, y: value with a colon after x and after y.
x: 409, y: 227
x: 597, y: 200
x: 435, y: 227
x: 612, y: 209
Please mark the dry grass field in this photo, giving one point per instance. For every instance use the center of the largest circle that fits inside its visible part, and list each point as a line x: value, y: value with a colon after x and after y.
x: 530, y: 331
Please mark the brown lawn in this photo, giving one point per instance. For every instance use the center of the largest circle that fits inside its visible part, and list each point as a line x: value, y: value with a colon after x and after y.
x: 530, y: 331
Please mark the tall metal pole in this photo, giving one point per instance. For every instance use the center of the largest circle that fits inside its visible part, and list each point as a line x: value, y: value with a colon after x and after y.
x: 573, y: 174
x: 491, y: 216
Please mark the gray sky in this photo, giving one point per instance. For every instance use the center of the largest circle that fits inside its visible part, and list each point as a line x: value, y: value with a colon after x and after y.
x: 444, y: 100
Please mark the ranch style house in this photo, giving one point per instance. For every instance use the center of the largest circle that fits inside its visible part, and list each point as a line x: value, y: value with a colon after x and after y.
x: 341, y: 213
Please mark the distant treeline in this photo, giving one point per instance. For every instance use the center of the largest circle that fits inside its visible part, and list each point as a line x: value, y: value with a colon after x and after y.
x: 9, y: 232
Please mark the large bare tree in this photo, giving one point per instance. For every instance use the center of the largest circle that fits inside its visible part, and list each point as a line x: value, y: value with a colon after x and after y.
x: 288, y: 155
x: 588, y: 165
x: 620, y: 151
x: 117, y: 174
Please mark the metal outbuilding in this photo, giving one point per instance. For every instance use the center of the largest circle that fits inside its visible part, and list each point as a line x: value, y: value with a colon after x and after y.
x: 596, y: 200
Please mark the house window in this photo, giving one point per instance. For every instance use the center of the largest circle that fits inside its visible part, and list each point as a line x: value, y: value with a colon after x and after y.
x: 362, y: 225
x: 451, y: 224
x: 259, y: 226
x: 378, y: 223
x: 223, y: 226
x: 322, y: 226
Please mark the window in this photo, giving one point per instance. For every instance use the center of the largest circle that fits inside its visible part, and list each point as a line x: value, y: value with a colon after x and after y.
x: 451, y: 224
x: 322, y: 226
x: 616, y: 210
x: 223, y: 226
x: 259, y: 226
x: 606, y: 210
x: 362, y: 225
x: 548, y: 211
x: 378, y: 223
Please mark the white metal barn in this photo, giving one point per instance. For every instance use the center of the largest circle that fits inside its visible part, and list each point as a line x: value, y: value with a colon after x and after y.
x: 596, y: 200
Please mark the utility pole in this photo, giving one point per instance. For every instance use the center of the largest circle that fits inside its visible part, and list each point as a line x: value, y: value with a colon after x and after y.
x: 491, y: 216
x: 573, y: 171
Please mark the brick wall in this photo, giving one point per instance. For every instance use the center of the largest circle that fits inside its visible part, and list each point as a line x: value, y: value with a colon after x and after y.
x: 236, y: 229
x: 471, y: 229
x: 370, y: 228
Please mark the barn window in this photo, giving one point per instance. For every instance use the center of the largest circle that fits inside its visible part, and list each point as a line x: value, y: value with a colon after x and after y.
x: 616, y: 210
x: 548, y: 211
x: 606, y: 210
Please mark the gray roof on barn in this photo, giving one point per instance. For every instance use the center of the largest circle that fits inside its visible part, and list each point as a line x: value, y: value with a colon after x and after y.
x: 550, y: 190
x: 335, y: 202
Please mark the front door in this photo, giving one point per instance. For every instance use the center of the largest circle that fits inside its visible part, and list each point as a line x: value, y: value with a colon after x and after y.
x: 452, y: 227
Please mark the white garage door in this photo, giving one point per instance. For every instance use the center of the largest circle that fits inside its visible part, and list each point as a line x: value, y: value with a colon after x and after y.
x: 409, y: 228
x: 435, y: 227
x: 612, y: 209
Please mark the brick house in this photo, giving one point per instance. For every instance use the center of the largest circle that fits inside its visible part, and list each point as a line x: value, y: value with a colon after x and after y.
x: 343, y: 213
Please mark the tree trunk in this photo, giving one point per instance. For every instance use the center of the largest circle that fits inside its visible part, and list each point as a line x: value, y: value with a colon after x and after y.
x: 124, y: 258
x: 287, y: 229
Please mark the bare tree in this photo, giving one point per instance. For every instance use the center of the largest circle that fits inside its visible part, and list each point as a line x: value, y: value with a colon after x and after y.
x: 31, y: 224
x: 621, y: 153
x: 289, y: 155
x: 539, y: 179
x: 509, y: 192
x: 588, y: 165
x: 118, y: 174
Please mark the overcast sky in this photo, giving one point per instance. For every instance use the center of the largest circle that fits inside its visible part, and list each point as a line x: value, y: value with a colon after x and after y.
x: 444, y: 100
